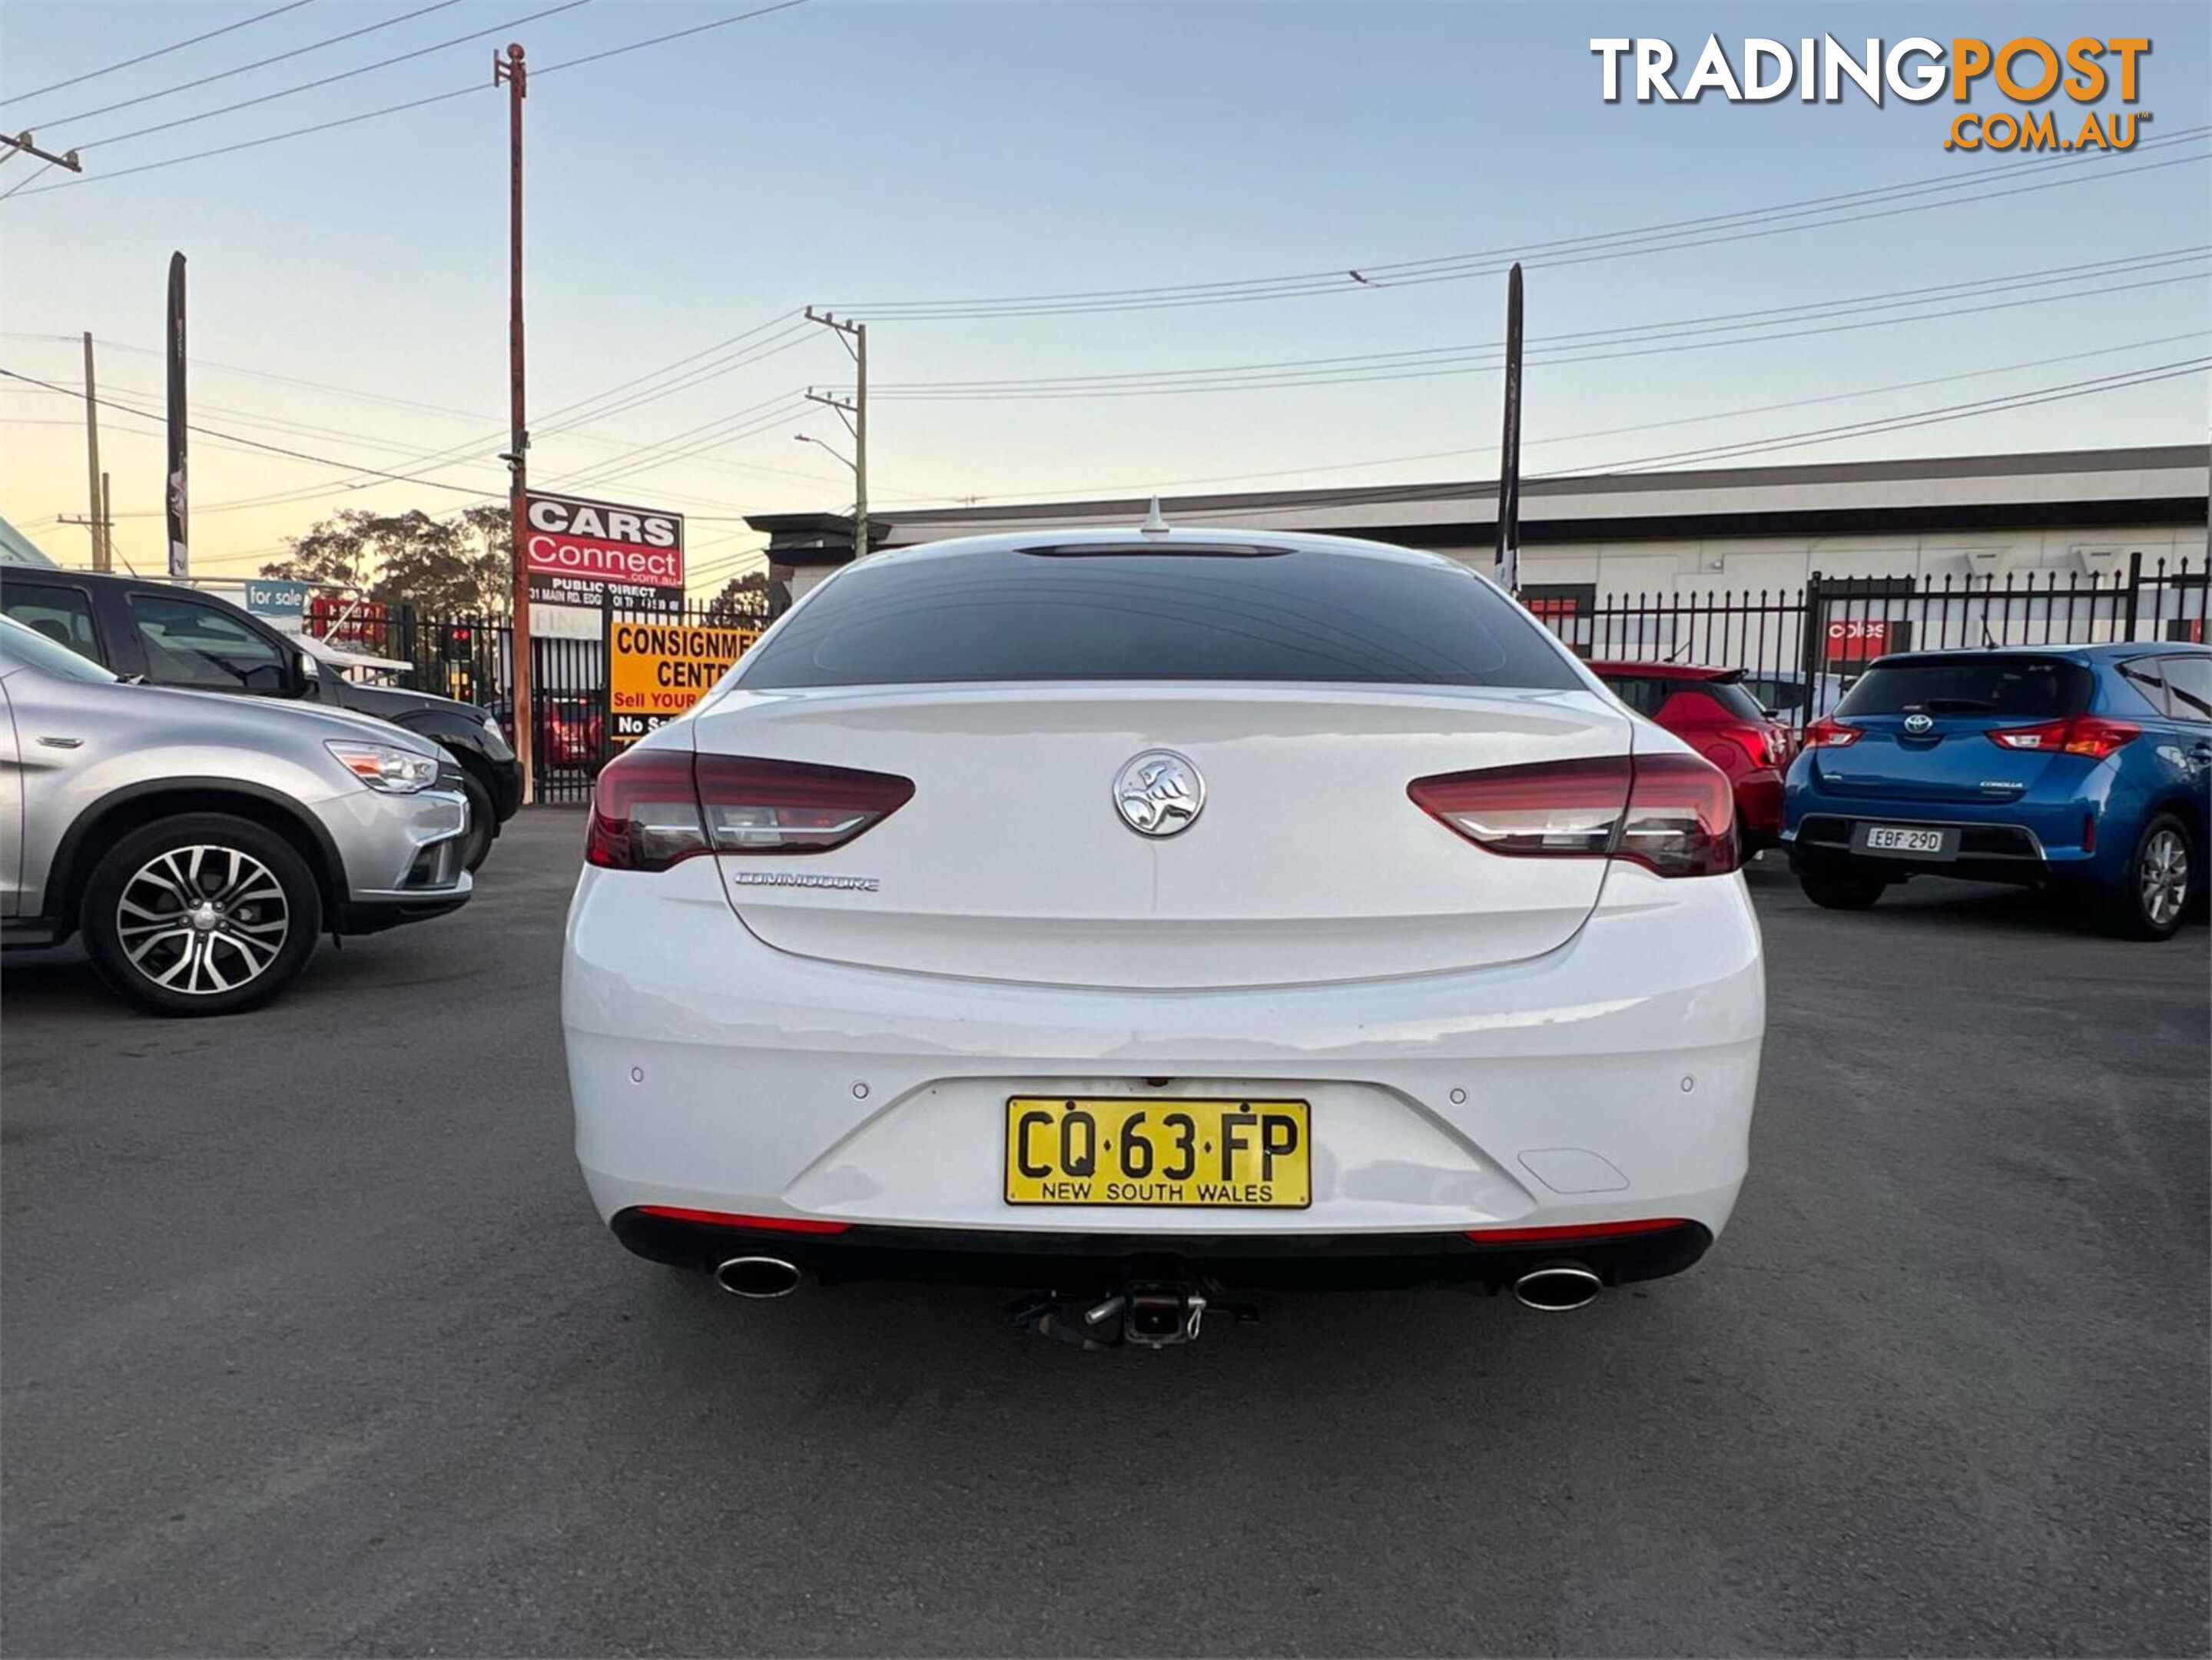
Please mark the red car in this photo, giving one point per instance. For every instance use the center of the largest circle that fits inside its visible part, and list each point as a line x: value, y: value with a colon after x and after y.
x: 1709, y: 710
x: 572, y: 732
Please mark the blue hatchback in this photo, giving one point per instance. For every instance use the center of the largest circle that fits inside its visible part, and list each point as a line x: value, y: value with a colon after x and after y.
x: 2088, y: 767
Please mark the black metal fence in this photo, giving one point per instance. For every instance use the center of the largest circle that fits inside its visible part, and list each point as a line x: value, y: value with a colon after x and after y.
x: 472, y: 659
x: 1800, y: 649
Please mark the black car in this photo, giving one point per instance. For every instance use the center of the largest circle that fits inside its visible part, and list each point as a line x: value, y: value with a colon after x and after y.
x: 176, y: 636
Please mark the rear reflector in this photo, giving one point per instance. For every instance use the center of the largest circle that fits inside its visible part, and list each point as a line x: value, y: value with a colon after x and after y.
x: 2091, y: 735
x: 654, y: 807
x: 1674, y: 814
x: 722, y: 1218
x: 1575, y: 1231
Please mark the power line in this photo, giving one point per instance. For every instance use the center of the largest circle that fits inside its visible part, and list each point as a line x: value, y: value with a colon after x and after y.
x: 342, y: 75
x: 472, y: 451
x: 767, y: 417
x: 1386, y: 493
x: 161, y: 51
x: 651, y: 374
x: 393, y: 109
x: 774, y: 346
x: 243, y: 69
x: 234, y: 438
x: 1948, y: 190
x: 26, y: 179
x: 458, y: 455
x: 2179, y: 368
x: 255, y: 144
x: 1153, y: 486
x: 1721, y: 321
x: 203, y: 363
x: 1478, y: 361
x: 781, y: 401
x: 657, y: 40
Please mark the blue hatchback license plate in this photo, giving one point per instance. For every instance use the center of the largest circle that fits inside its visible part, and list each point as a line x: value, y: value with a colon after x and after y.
x: 1906, y: 841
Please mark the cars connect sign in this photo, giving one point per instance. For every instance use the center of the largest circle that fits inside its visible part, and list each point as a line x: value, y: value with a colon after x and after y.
x: 591, y: 553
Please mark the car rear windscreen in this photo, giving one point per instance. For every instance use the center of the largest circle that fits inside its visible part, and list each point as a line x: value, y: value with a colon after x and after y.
x: 2030, y: 688
x: 1731, y: 696
x: 1268, y: 614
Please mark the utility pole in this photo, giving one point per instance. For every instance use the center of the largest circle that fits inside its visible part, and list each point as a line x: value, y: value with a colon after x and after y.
x: 511, y: 73
x: 853, y: 412
x: 1508, y: 447
x: 179, y: 491
x: 101, y: 559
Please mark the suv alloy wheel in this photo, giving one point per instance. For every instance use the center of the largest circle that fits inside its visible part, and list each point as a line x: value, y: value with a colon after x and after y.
x: 201, y: 914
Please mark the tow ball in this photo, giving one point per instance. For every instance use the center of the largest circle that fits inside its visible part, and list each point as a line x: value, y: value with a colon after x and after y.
x: 1152, y: 1316
x: 1144, y: 1314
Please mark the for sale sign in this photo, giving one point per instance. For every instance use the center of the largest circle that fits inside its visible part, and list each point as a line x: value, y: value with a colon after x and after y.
x: 656, y: 671
x: 588, y: 553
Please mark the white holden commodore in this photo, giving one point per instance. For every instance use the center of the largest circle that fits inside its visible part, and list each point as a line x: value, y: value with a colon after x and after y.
x: 1140, y: 919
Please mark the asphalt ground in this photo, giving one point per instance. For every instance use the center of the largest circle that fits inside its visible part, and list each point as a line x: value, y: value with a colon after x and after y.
x: 310, y: 1342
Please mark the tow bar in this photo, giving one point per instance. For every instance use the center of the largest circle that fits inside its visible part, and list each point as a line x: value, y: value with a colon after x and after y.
x: 1145, y: 1314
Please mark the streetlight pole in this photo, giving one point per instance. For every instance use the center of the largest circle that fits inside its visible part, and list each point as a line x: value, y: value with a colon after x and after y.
x: 847, y: 463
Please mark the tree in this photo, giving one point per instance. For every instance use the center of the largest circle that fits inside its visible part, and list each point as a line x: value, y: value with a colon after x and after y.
x: 452, y: 567
x: 751, y: 601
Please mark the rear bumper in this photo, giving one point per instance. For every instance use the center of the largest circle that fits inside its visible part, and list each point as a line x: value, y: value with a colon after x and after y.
x: 1608, y: 1080
x: 1081, y: 1263
x: 1758, y: 808
x: 1821, y: 843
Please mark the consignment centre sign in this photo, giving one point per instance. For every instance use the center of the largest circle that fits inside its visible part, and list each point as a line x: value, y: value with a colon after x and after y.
x: 589, y: 553
x: 656, y: 671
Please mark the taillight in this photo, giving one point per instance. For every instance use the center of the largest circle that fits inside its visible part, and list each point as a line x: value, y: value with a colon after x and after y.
x: 1572, y: 807
x: 1829, y: 733
x: 1681, y: 817
x: 654, y: 807
x: 645, y: 813
x: 1674, y: 814
x: 2091, y: 735
x: 792, y: 807
x: 1762, y: 743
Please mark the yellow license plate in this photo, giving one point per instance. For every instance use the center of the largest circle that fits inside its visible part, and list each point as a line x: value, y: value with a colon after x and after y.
x: 1240, y: 1154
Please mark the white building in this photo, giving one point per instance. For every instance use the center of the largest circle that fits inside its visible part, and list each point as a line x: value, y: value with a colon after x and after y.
x: 1621, y: 535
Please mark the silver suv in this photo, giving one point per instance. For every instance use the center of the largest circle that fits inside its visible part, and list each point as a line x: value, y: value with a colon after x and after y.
x: 201, y: 843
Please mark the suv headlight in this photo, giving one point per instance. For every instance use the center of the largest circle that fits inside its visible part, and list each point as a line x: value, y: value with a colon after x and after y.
x: 382, y: 767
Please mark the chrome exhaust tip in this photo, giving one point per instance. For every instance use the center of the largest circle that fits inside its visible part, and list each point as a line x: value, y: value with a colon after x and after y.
x: 757, y: 1277
x: 1557, y: 1287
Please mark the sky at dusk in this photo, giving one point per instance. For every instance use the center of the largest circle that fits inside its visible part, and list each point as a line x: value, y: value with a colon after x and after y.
x: 349, y: 287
